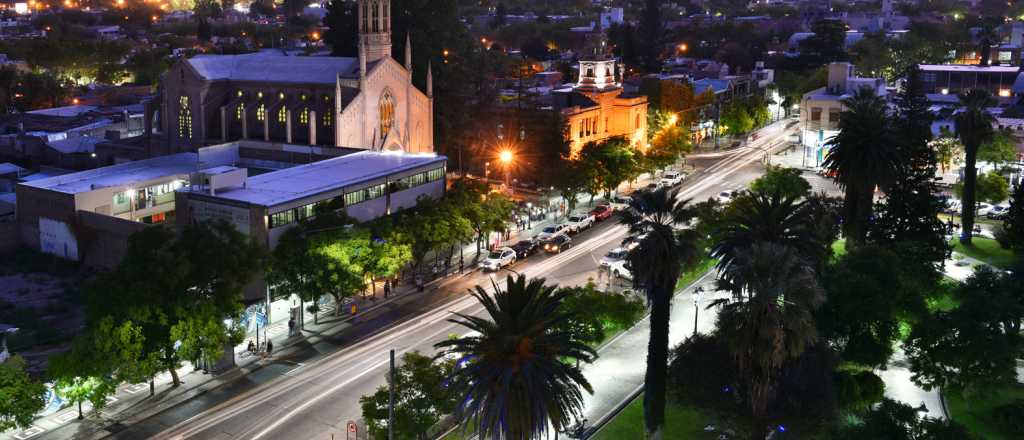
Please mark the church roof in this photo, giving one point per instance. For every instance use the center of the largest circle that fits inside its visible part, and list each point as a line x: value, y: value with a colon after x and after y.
x: 274, y: 68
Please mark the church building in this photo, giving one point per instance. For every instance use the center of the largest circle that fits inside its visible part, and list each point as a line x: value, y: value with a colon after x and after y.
x: 367, y: 103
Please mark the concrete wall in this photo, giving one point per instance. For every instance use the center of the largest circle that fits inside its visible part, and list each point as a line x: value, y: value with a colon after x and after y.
x: 103, y: 240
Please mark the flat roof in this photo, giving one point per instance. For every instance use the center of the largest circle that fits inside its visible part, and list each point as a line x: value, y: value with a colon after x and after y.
x: 120, y: 175
x: 967, y: 68
x: 298, y: 182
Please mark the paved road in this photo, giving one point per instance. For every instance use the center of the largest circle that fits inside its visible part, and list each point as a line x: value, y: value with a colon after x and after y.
x: 311, y: 391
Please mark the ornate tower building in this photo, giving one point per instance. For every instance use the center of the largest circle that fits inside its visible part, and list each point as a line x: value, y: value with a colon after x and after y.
x: 375, y: 28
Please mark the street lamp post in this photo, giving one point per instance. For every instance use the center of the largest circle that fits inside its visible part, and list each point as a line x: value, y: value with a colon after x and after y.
x: 529, y: 215
x: 506, y: 160
x: 697, y: 294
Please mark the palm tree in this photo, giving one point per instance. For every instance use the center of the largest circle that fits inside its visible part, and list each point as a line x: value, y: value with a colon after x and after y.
x: 770, y: 319
x: 514, y: 372
x: 974, y: 127
x: 658, y: 261
x: 766, y: 217
x: 863, y: 157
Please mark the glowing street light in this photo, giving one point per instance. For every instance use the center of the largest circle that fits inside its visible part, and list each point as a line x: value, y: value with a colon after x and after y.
x: 673, y: 119
x: 506, y: 157
x: 683, y: 47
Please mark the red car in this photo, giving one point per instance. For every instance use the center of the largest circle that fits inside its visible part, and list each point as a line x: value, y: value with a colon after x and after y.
x: 601, y: 212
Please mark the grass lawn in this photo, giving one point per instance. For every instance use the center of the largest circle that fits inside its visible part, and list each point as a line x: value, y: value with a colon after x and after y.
x: 976, y: 412
x: 987, y: 250
x: 681, y: 422
x: 699, y: 270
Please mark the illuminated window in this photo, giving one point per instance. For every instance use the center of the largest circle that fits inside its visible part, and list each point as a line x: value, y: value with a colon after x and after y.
x: 239, y: 111
x: 184, y: 118
x: 280, y: 96
x: 304, y: 116
x: 259, y: 95
x: 328, y: 117
x: 386, y: 113
x: 282, y: 115
x: 261, y: 112
x: 240, y: 93
x: 375, y: 22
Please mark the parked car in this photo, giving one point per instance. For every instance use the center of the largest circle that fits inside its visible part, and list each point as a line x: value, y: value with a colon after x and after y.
x: 557, y: 244
x: 618, y: 203
x: 579, y: 222
x: 617, y: 254
x: 621, y: 269
x: 983, y: 209
x: 552, y: 231
x: 602, y: 212
x: 525, y: 248
x: 499, y: 258
x: 672, y: 178
x: 953, y: 206
x: 631, y: 242
x: 999, y: 211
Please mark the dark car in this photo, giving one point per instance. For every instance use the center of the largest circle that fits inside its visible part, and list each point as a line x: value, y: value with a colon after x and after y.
x: 557, y: 244
x: 525, y: 248
x: 601, y: 212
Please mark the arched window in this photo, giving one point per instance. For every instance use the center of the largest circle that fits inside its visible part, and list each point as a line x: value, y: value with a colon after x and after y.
x: 282, y: 115
x: 387, y: 12
x: 304, y: 116
x: 638, y: 120
x: 386, y: 113
x: 239, y: 111
x: 328, y: 117
x: 590, y: 72
x: 184, y: 118
x: 261, y: 112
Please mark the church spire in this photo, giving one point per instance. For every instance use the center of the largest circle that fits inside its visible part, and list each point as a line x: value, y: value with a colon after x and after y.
x: 430, y: 82
x: 408, y: 53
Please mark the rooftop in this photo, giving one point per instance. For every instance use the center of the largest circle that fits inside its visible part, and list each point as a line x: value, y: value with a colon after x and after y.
x: 290, y: 184
x: 967, y: 68
x: 270, y: 67
x: 120, y: 175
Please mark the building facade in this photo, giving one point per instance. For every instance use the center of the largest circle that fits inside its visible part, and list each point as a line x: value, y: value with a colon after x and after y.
x: 366, y: 103
x: 820, y: 109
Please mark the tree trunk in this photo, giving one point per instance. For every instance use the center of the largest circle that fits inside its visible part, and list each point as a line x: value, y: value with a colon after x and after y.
x: 970, y: 183
x: 175, y: 380
x: 337, y: 306
x: 80, y: 416
x: 657, y: 361
x: 373, y: 282
x: 152, y: 387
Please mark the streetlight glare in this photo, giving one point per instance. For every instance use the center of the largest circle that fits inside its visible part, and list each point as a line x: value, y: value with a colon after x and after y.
x: 505, y: 156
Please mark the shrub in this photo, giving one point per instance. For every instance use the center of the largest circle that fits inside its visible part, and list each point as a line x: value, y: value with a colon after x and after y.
x: 1010, y: 416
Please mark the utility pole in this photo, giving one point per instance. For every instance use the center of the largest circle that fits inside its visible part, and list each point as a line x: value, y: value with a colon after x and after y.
x: 391, y: 398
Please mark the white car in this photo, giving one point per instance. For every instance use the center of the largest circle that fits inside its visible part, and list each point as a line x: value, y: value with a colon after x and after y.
x: 579, y: 222
x: 499, y: 258
x: 671, y: 178
x: 552, y: 231
x: 998, y: 211
x: 983, y: 209
x: 614, y: 255
x: 618, y: 203
x: 621, y: 269
x: 724, y: 197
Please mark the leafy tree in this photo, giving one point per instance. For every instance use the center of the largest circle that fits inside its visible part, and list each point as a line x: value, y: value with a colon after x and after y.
x: 595, y: 313
x: 485, y: 212
x: 90, y: 389
x: 863, y: 157
x: 999, y: 150
x: 991, y: 187
x: 897, y: 421
x: 702, y: 372
x: 771, y: 320
x: 342, y: 28
x: 974, y: 127
x: 786, y: 181
x: 342, y: 262
x: 947, y: 151
x: 204, y: 339
x: 23, y: 397
x: 736, y: 119
x: 659, y: 259
x: 871, y: 290
x: 827, y: 44
x: 975, y: 346
x: 572, y: 178
x: 858, y: 391
x: 514, y: 383
x: 651, y: 35
x: 422, y: 398
x: 1011, y: 236
x: 613, y: 160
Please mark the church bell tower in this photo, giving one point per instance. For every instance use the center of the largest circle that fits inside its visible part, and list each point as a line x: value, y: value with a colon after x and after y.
x: 375, y: 28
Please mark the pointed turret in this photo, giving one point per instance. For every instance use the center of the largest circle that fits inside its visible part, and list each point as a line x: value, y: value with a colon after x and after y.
x: 408, y: 54
x: 430, y: 81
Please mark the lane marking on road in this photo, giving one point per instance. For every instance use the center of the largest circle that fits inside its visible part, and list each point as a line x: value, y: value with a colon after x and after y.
x: 324, y: 366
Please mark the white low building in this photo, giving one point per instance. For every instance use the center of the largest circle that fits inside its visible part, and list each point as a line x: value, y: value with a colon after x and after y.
x: 820, y: 109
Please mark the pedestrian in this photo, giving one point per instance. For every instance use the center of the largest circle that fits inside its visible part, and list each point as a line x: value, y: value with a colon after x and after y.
x: 419, y: 283
x: 252, y: 347
x: 291, y: 326
x: 387, y: 288
x: 270, y: 347
x: 462, y: 265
